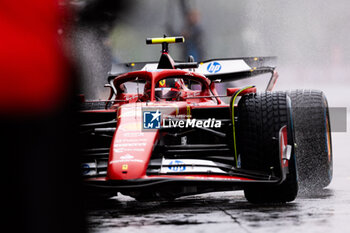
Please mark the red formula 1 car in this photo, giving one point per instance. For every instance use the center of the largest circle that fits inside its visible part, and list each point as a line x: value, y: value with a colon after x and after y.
x: 165, y: 132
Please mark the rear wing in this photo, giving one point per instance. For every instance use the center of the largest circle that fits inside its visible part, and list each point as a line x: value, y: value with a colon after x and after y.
x: 231, y: 69
x: 222, y: 70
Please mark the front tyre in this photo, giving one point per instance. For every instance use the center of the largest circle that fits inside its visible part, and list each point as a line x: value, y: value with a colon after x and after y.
x: 260, y: 117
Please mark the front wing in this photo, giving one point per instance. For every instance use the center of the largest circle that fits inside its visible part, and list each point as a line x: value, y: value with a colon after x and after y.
x: 196, y: 181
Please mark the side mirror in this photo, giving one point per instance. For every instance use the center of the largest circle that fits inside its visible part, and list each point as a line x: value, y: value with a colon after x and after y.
x: 232, y: 91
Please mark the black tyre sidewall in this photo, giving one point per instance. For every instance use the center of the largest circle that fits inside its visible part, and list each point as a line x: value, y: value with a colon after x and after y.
x: 287, y: 191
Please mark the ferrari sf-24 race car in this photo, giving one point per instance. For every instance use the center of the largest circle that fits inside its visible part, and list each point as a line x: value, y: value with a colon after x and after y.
x: 165, y: 132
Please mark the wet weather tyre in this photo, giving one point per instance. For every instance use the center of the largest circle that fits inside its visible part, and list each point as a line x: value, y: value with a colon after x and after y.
x: 260, y: 117
x: 313, y: 139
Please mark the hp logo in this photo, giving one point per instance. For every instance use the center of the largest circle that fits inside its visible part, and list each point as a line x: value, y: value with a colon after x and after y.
x: 177, y: 166
x: 214, y: 67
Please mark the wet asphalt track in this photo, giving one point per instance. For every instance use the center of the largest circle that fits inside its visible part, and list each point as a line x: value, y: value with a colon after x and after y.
x: 326, y: 211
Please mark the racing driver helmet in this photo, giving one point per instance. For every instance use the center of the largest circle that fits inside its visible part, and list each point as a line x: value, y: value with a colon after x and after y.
x: 168, y: 89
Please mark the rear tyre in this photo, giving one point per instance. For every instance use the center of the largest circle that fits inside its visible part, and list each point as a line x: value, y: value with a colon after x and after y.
x: 313, y: 139
x: 260, y: 117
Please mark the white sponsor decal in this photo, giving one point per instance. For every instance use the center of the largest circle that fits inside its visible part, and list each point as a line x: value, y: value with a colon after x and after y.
x: 136, y: 144
x: 130, y: 140
x: 188, y: 165
x: 131, y: 135
x: 126, y: 157
x: 126, y: 161
x: 122, y: 150
x: 222, y: 66
x: 130, y: 113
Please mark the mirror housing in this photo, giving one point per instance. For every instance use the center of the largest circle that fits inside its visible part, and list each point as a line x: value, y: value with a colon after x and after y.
x: 232, y: 91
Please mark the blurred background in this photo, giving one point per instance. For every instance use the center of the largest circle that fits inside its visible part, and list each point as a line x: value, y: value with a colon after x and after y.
x: 310, y: 38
